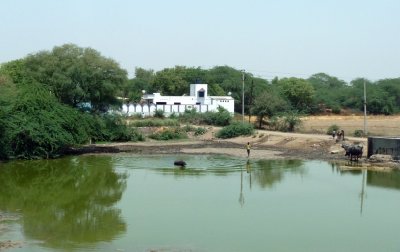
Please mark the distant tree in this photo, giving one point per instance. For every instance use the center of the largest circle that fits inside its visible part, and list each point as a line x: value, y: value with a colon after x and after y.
x: 299, y: 92
x: 268, y: 104
x: 392, y: 88
x: 330, y: 92
x: 170, y: 81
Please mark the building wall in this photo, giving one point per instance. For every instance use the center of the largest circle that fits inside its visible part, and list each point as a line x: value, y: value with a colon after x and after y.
x: 149, y: 110
x: 178, y: 104
x: 383, y: 145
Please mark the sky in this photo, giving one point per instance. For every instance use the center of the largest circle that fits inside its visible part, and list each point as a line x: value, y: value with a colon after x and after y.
x: 347, y: 39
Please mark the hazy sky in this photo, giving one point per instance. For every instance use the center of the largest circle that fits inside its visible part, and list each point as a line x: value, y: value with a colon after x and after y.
x: 343, y: 38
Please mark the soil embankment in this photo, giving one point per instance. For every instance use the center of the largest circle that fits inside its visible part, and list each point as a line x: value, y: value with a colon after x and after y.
x: 265, y: 145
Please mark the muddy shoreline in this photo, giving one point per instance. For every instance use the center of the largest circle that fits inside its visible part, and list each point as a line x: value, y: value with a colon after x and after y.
x: 324, y: 150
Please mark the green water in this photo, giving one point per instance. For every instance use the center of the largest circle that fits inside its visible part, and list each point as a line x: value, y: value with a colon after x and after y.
x: 218, y: 203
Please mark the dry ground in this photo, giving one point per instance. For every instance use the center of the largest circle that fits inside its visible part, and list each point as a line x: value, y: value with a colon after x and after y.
x: 376, y: 125
x: 276, y: 145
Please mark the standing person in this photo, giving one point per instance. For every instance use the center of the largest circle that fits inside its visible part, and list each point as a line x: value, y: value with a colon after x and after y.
x: 248, y: 147
x: 333, y: 134
x: 343, y: 135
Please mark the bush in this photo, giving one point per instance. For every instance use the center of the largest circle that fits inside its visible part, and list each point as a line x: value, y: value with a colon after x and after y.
x: 200, y: 131
x: 155, y: 122
x: 332, y: 128
x: 235, y: 129
x: 336, y: 109
x: 173, y: 115
x: 190, y: 116
x: 38, y: 126
x: 188, y: 128
x: 291, y: 121
x: 220, y: 118
x: 169, y: 134
x: 358, y: 133
x: 159, y: 113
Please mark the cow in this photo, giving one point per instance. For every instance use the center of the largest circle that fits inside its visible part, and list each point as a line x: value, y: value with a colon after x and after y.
x: 353, y: 151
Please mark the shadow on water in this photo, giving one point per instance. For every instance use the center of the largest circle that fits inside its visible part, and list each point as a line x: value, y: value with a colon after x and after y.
x: 64, y: 203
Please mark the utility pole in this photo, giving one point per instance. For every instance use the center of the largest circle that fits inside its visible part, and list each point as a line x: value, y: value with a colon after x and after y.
x: 365, y: 111
x: 243, y: 95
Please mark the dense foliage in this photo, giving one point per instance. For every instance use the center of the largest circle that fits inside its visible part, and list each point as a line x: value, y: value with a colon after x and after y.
x: 42, y: 97
x: 235, y: 129
x: 220, y: 118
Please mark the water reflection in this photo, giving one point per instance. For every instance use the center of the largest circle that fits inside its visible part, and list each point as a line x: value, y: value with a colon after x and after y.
x: 266, y: 173
x: 67, y: 202
x: 269, y: 172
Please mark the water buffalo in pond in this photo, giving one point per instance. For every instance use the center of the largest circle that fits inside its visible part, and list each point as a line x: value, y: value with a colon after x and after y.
x: 353, y: 151
x: 180, y: 163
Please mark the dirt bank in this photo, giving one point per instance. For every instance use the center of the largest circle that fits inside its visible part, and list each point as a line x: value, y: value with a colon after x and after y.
x: 265, y: 145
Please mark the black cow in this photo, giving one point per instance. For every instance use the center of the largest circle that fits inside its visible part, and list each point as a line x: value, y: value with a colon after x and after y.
x: 353, y: 151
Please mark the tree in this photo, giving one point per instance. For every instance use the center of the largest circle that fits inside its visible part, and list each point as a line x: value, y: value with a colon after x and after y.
x: 170, y: 81
x: 78, y: 75
x: 330, y: 92
x: 39, y: 126
x: 268, y: 104
x: 299, y: 92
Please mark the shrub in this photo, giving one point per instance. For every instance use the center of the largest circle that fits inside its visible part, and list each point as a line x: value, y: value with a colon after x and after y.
x: 38, y: 126
x: 155, y: 122
x: 332, y: 128
x: 190, y: 116
x: 200, y: 131
x: 159, y: 113
x: 188, y: 128
x: 113, y: 128
x: 169, y: 134
x: 336, y: 109
x: 173, y: 115
x: 220, y: 118
x: 235, y: 129
x: 358, y: 133
x: 291, y: 120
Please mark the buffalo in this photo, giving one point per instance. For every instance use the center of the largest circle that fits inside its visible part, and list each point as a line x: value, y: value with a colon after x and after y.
x: 353, y: 151
x: 180, y: 163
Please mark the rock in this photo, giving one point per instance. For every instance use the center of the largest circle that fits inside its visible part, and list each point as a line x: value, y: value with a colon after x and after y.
x: 380, y: 158
x: 334, y: 151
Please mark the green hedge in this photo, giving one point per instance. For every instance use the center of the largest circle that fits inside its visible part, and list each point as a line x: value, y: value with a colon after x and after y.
x: 236, y: 129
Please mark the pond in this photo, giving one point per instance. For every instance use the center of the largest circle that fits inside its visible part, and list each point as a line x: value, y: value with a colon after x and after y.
x: 217, y: 203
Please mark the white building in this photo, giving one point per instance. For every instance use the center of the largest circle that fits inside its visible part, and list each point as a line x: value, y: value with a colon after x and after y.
x: 197, y: 99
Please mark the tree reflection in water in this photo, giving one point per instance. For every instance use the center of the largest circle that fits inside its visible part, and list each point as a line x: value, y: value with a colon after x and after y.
x: 268, y: 172
x: 65, y: 202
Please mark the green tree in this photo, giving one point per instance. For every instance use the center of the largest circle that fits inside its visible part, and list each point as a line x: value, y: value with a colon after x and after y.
x: 78, y: 75
x: 170, y: 81
x: 268, y: 104
x: 299, y: 92
x: 330, y: 92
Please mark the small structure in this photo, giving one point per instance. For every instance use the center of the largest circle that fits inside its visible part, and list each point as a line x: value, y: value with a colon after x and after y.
x: 198, y: 99
x: 384, y: 145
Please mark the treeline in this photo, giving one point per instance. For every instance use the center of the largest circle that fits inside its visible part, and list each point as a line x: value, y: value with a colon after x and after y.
x: 313, y: 95
x: 54, y: 99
